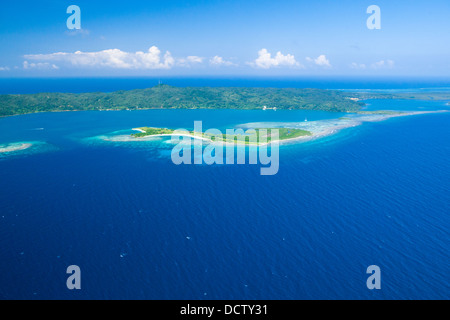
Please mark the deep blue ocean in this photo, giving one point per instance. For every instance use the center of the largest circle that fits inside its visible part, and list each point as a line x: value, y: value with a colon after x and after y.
x: 141, y: 227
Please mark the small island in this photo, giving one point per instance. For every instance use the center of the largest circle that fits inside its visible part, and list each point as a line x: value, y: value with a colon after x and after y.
x: 263, y: 134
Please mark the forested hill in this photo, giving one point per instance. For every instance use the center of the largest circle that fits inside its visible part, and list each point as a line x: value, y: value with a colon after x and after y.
x: 164, y: 96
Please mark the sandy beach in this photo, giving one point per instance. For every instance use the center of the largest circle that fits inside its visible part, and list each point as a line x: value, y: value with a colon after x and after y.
x: 12, y: 147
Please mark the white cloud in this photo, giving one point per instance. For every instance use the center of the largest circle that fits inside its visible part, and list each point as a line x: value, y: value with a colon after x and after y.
x: 219, y: 61
x: 117, y: 59
x: 189, y: 61
x: 265, y: 60
x: 194, y: 59
x: 359, y: 66
x: 39, y: 65
x: 320, y: 61
x: 383, y: 64
x: 4, y: 68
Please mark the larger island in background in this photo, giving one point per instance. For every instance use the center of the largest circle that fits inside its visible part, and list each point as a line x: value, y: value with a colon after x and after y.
x: 165, y: 96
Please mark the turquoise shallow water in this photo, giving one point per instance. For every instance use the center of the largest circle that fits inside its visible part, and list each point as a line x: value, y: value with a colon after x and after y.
x: 406, y: 105
x: 141, y: 227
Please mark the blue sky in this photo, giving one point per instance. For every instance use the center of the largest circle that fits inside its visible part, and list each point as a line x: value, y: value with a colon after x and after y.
x: 180, y: 38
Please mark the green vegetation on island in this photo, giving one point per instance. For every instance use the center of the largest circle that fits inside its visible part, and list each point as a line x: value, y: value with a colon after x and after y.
x: 150, y: 131
x: 165, y: 96
x: 260, y: 135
